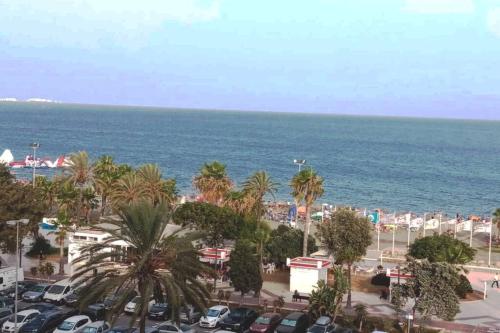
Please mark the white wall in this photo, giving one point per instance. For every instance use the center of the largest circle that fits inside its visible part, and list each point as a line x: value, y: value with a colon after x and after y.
x: 303, y: 280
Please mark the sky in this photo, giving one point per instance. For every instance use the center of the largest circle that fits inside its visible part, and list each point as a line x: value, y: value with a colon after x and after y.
x: 433, y: 58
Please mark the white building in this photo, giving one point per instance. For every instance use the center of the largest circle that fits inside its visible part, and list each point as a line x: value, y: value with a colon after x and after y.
x: 305, y: 272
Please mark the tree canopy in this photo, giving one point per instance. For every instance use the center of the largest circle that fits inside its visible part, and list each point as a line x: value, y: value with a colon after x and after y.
x: 245, y: 268
x: 442, y: 248
x: 286, y: 242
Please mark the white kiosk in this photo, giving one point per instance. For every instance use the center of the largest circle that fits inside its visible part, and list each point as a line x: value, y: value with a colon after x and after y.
x: 305, y: 272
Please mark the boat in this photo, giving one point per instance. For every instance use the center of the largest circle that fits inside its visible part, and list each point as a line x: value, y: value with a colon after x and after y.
x: 49, y: 223
x: 29, y: 162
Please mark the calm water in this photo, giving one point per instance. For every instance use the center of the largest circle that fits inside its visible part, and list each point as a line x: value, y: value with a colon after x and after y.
x: 399, y: 164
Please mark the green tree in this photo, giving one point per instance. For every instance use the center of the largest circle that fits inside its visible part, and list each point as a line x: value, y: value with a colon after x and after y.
x: 212, y: 182
x: 106, y: 174
x: 63, y: 228
x: 244, y: 269
x: 239, y: 201
x: 347, y: 237
x: 127, y: 190
x: 5, y: 176
x: 307, y: 185
x: 326, y: 300
x: 216, y: 223
x: 431, y: 289
x: 361, y: 314
x: 257, y: 186
x: 162, y: 265
x: 496, y: 217
x: 442, y: 248
x: 285, y: 242
x: 81, y: 174
x: 155, y: 188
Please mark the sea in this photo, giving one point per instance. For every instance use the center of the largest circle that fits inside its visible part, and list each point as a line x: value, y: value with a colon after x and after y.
x: 397, y: 164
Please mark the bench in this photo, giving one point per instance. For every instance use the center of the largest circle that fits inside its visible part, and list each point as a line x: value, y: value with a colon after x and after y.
x: 298, y: 297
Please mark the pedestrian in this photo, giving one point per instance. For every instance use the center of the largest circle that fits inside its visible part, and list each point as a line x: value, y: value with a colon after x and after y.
x: 495, y: 280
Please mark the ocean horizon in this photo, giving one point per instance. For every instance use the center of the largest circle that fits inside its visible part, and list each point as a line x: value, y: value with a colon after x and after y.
x: 395, y: 163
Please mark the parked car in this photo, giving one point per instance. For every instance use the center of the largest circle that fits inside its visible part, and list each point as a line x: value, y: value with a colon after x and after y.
x: 44, y: 323
x: 190, y: 314
x: 58, y: 291
x: 323, y: 324
x: 266, y: 323
x: 5, y: 313
x: 159, y: 311
x: 214, y: 315
x: 23, y: 317
x: 170, y: 327
x: 295, y: 322
x: 36, y: 292
x: 95, y: 311
x: 238, y: 320
x: 22, y: 287
x: 131, y: 306
x: 111, y: 300
x: 122, y: 329
x: 6, y: 302
x: 42, y: 307
x: 97, y: 327
x: 74, y: 324
x: 72, y: 298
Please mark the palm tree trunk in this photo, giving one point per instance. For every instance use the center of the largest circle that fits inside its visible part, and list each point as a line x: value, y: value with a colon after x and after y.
x: 103, y: 204
x: 61, y: 256
x: 349, y: 297
x: 306, y: 231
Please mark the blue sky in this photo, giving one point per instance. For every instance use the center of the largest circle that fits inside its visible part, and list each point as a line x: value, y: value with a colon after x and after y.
x: 394, y: 57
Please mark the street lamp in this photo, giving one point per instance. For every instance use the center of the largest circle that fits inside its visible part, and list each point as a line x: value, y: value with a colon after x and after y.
x: 16, y: 223
x: 300, y: 163
x: 34, y: 146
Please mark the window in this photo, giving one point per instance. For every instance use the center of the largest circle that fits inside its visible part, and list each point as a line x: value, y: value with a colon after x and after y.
x: 31, y: 316
x: 167, y: 328
x: 93, y: 239
x: 81, y: 322
x: 223, y: 311
x: 67, y: 289
x: 1, y: 279
x: 99, y: 330
x: 4, y: 313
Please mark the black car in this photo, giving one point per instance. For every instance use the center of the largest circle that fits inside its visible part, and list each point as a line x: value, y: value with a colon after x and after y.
x: 45, y: 322
x: 122, y: 329
x: 95, y: 311
x: 5, y: 314
x: 159, y: 311
x: 42, y: 307
x: 239, y: 320
x: 6, y: 302
x: 295, y: 322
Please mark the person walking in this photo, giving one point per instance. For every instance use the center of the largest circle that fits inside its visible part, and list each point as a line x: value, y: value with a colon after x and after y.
x: 495, y: 280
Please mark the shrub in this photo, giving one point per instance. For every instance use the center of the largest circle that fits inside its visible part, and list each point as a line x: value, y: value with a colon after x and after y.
x: 464, y: 287
x: 381, y: 279
x: 40, y: 245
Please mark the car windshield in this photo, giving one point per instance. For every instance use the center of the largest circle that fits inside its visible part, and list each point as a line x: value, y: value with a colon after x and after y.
x: 38, y: 321
x: 20, y: 318
x: 213, y: 313
x: 66, y: 326
x: 185, y: 328
x: 56, y: 289
x: 160, y: 305
x: 38, y: 288
x: 136, y: 299
x: 89, y: 330
x: 263, y: 320
x: 289, y: 322
x: 317, y: 329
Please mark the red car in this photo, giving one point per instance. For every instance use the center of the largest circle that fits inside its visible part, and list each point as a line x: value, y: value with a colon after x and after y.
x: 266, y: 323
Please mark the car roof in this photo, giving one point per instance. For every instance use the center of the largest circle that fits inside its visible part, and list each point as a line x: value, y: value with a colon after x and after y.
x: 218, y: 307
x: 270, y: 314
x: 4, y: 309
x: 323, y: 320
x: 295, y: 315
x: 98, y: 323
x: 28, y: 312
x: 77, y: 318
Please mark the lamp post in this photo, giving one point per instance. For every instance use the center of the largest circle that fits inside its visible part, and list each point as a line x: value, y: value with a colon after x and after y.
x: 34, y: 146
x: 16, y: 223
x: 300, y: 163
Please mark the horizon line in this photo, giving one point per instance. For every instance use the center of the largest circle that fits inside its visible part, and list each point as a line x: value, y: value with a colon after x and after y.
x: 314, y: 113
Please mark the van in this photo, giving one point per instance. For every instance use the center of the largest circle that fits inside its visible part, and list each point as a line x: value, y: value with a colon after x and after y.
x: 8, y: 277
x: 57, y: 291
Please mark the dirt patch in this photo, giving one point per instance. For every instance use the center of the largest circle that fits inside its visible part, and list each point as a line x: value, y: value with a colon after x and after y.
x: 473, y: 296
x: 362, y: 282
x: 280, y: 276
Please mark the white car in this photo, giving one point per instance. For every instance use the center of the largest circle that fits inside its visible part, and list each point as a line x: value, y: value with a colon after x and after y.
x: 23, y: 317
x: 73, y: 324
x: 170, y: 327
x: 132, y: 305
x: 97, y: 327
x: 213, y: 316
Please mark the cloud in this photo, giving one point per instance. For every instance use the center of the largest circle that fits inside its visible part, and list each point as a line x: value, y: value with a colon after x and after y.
x: 439, y: 6
x: 493, y: 21
x: 91, y: 22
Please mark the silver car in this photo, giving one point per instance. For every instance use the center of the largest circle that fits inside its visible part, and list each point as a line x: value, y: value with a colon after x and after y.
x: 97, y: 327
x: 170, y: 327
x: 35, y: 293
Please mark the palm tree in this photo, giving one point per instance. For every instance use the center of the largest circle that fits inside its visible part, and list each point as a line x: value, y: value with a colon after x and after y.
x: 213, y: 182
x: 239, y: 202
x: 307, y: 185
x: 496, y: 218
x: 80, y: 173
x: 106, y: 173
x: 361, y: 313
x: 48, y: 190
x: 163, y: 266
x: 257, y: 186
x: 157, y: 189
x: 63, y: 227
x: 127, y: 190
